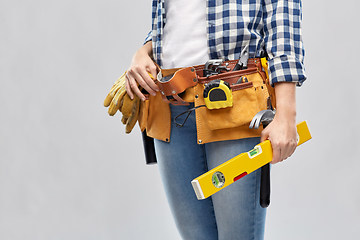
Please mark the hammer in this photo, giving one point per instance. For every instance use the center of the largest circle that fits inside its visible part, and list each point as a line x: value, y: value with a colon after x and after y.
x: 265, y: 117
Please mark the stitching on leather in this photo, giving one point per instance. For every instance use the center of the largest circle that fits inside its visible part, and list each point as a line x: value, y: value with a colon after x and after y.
x: 241, y: 86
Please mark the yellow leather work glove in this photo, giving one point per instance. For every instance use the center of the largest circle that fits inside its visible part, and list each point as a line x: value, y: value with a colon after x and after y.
x: 118, y: 99
x: 130, y: 110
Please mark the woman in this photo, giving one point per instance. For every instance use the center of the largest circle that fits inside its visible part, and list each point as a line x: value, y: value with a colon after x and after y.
x: 188, y: 33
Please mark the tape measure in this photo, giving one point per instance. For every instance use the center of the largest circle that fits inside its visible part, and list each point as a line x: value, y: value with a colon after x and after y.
x: 217, y: 94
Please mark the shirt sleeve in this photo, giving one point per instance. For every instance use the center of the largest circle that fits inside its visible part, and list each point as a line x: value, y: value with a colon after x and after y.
x: 153, y: 18
x: 148, y: 37
x: 283, y: 41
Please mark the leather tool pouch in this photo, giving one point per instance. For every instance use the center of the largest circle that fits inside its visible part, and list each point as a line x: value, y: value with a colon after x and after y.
x: 249, y: 97
x: 213, y: 125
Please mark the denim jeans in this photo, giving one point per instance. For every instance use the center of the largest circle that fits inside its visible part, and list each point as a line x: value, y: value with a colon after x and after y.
x: 230, y: 214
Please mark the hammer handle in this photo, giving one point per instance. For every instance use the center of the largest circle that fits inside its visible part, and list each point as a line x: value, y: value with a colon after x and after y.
x: 265, y: 186
x: 265, y: 182
x: 149, y: 148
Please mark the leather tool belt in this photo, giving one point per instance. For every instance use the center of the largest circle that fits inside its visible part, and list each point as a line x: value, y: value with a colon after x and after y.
x: 174, y: 82
x: 184, y: 85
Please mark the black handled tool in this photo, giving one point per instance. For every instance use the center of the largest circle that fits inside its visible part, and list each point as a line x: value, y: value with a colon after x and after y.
x: 265, y: 117
x: 149, y: 148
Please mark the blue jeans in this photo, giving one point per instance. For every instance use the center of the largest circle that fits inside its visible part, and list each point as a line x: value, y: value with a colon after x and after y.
x: 230, y: 214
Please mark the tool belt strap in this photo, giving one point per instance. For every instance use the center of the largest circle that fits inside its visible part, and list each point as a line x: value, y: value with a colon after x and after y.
x: 174, y: 82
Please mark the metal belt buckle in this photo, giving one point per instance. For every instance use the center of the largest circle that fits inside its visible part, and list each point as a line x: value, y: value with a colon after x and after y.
x: 162, y: 78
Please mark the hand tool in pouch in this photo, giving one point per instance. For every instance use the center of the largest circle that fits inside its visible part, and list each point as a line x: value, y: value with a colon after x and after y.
x: 241, y: 165
x: 244, y: 57
x: 214, y: 67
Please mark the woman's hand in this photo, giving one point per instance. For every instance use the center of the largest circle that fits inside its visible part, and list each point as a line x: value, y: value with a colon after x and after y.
x: 138, y: 73
x: 282, y: 130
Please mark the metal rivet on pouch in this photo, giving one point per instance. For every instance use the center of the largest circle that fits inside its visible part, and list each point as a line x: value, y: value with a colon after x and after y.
x: 200, y: 141
x: 196, y: 96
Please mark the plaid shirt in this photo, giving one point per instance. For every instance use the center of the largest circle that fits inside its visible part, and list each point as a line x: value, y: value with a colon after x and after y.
x: 273, y: 25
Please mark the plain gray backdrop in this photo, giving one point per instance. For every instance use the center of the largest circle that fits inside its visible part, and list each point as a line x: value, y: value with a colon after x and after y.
x: 68, y: 170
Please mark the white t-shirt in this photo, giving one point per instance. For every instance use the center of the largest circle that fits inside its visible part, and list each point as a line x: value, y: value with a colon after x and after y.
x: 185, y: 35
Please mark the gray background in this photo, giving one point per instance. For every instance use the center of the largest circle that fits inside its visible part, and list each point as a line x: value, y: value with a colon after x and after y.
x: 67, y: 169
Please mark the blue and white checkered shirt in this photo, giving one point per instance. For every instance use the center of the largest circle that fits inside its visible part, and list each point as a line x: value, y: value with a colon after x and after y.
x: 274, y: 25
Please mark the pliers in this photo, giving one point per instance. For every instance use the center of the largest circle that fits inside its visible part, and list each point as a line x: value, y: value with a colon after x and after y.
x: 244, y: 57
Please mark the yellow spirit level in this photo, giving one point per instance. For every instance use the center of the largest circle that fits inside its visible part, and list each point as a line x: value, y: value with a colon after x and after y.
x: 239, y: 166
